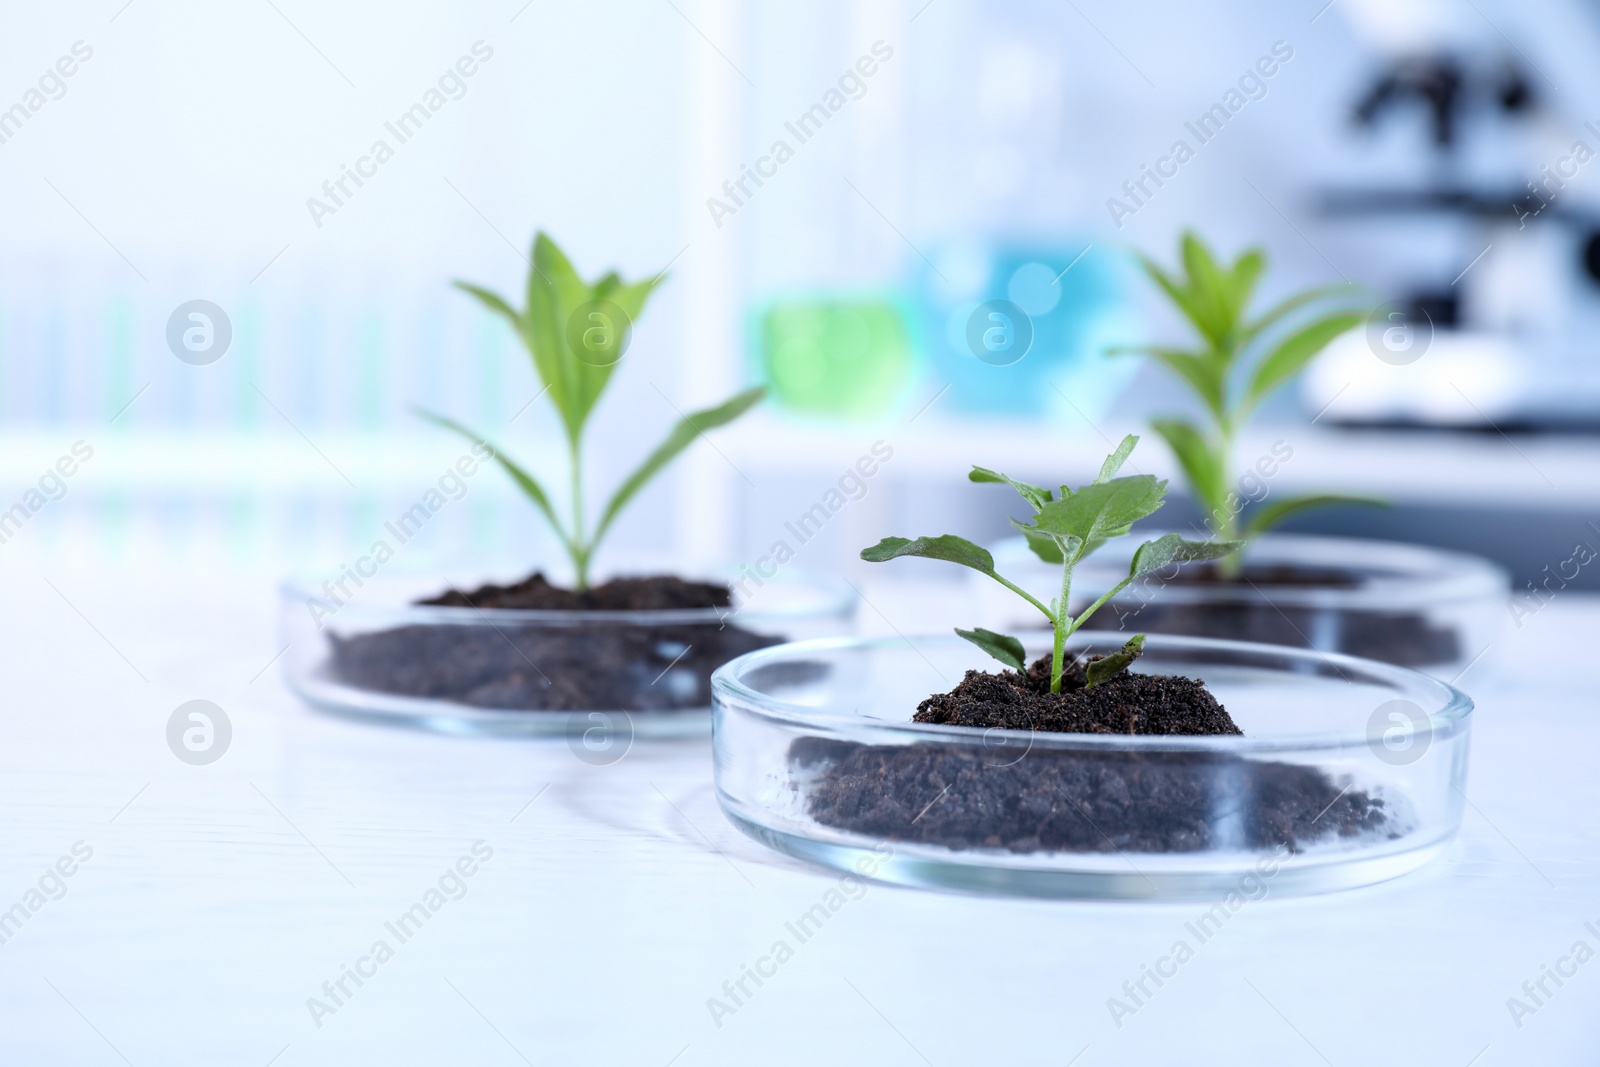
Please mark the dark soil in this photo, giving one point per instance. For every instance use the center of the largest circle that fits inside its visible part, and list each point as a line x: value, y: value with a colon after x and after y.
x: 536, y: 593
x: 1125, y: 704
x: 1267, y: 574
x: 527, y: 667
x: 1029, y: 799
x: 1403, y: 638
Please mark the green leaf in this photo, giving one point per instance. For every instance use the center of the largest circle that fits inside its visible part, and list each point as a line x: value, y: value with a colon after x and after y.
x: 591, y: 374
x: 1102, y: 510
x: 1201, y: 463
x: 1295, y: 351
x: 494, y: 302
x: 1007, y: 650
x: 1045, y: 547
x: 1246, y: 272
x: 560, y: 303
x: 1192, y: 305
x: 948, y: 547
x: 681, y: 436
x: 1206, y: 376
x: 1050, y: 547
x: 1110, y: 666
x: 1114, y: 462
x: 525, y: 481
x: 1288, y: 306
x: 1267, y: 516
x: 1033, y: 494
x: 544, y: 322
x: 1210, y: 290
x: 1172, y: 548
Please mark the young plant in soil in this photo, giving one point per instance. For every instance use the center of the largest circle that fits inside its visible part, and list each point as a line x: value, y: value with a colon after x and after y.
x: 1068, y: 524
x: 1276, y: 346
x: 1064, y: 799
x: 1241, y: 359
x: 576, y: 333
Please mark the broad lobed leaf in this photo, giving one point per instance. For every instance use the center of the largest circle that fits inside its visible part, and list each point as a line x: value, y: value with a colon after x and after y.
x: 1006, y: 649
x: 1046, y: 548
x: 1049, y: 547
x: 948, y: 547
x: 1117, y: 662
x: 1102, y: 510
x: 1172, y: 548
x: 1035, y: 495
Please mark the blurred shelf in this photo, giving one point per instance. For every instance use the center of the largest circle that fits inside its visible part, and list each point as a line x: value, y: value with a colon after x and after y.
x: 1411, y: 466
x: 1455, y: 468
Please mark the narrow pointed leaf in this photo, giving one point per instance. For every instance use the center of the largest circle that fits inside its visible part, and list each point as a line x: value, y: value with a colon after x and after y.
x: 1007, y: 650
x: 556, y: 293
x: 1202, y: 374
x: 1110, y: 666
x: 1246, y: 272
x: 1210, y: 290
x: 680, y: 437
x: 494, y: 302
x: 1202, y: 464
x: 1033, y: 494
x: 1275, y: 314
x: 1290, y: 355
x: 948, y: 547
x: 1267, y: 516
x: 543, y: 322
x: 1114, y: 462
x: 525, y: 481
x: 609, y: 311
x: 1183, y: 296
x: 1170, y: 548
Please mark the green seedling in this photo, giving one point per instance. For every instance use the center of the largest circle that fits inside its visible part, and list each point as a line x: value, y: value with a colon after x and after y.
x: 576, y: 332
x: 1067, y: 525
x: 1277, y: 345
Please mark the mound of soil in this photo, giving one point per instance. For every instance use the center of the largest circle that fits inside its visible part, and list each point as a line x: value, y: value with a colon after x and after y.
x: 1028, y: 798
x: 1126, y: 703
x: 537, y: 593
x: 515, y: 665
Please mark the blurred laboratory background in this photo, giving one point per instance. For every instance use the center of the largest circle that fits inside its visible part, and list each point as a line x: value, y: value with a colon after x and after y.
x: 836, y: 187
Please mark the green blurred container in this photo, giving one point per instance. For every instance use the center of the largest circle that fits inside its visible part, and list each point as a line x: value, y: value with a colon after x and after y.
x: 841, y: 356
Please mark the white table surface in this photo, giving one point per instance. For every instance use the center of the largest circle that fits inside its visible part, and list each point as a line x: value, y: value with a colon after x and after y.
x: 220, y: 898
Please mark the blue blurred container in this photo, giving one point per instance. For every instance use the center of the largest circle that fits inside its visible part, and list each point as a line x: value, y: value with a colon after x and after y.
x: 1021, y: 328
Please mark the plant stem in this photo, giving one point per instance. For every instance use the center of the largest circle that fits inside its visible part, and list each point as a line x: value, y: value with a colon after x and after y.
x: 576, y: 547
x: 1059, y: 623
x: 1025, y: 595
x: 1228, y: 529
x: 1092, y: 608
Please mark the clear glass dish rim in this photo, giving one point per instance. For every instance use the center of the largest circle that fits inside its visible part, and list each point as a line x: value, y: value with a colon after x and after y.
x: 1456, y: 575
x: 1454, y: 713
x: 840, y: 597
